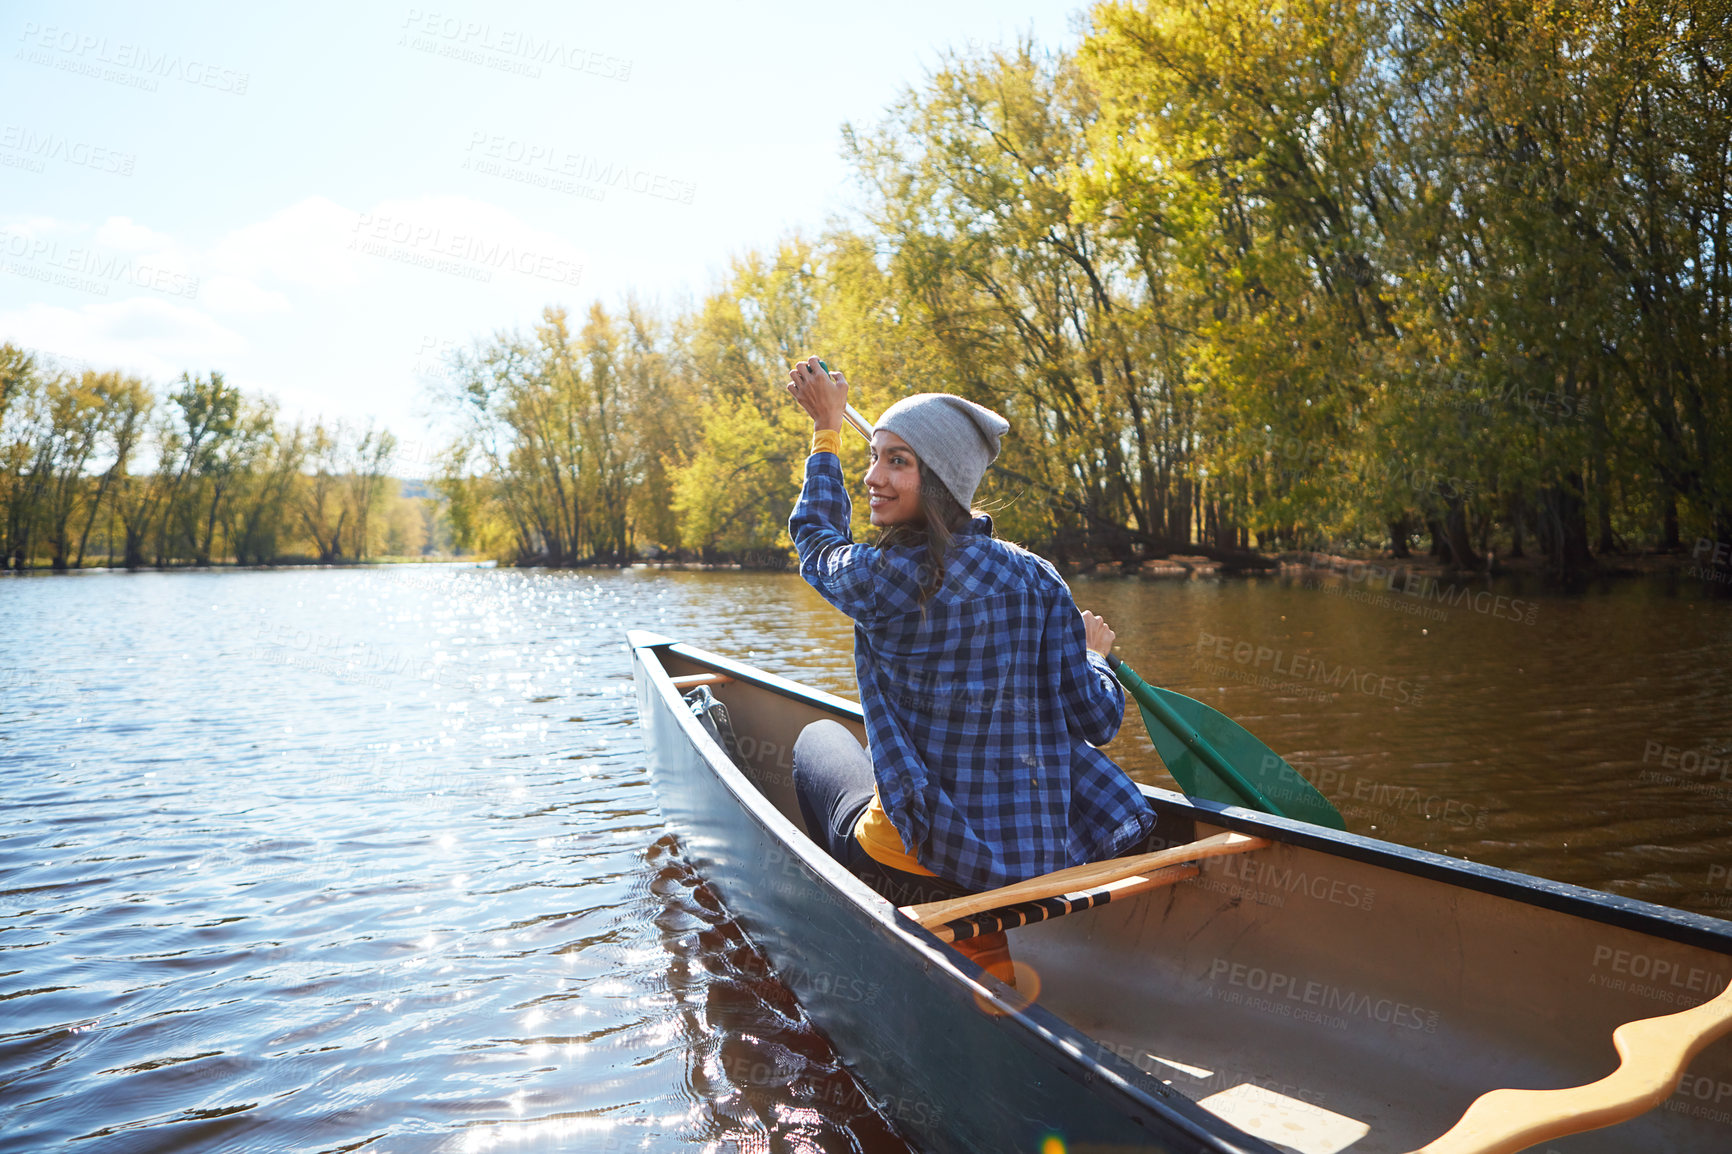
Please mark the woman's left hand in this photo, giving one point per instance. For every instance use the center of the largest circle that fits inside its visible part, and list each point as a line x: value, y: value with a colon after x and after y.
x: 824, y: 396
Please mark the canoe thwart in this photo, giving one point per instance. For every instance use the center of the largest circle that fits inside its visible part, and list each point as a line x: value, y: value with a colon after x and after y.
x: 693, y: 680
x: 1078, y: 879
x: 1028, y: 913
x: 1654, y: 1053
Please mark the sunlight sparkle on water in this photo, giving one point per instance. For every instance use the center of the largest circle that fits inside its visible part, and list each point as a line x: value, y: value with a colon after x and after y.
x: 551, y: 1132
x: 663, y: 1032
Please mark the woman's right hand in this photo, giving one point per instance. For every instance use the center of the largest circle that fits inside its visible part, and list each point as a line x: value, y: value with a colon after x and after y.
x: 824, y: 396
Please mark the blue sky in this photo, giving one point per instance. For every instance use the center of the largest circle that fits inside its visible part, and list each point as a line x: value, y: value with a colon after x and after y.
x: 319, y: 200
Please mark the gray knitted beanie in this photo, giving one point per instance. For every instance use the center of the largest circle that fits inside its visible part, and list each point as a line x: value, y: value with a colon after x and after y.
x: 955, y: 438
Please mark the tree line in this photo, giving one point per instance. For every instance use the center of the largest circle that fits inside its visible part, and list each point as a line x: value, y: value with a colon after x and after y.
x: 1386, y: 274
x: 103, y: 467
x: 1245, y: 277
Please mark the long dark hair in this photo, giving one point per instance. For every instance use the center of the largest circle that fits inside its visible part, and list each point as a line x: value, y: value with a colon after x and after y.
x: 941, y: 518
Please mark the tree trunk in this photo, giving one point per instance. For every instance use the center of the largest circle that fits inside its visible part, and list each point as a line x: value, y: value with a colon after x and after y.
x: 62, y: 548
x: 1179, y: 511
x: 1399, y: 532
x: 204, y: 549
x: 1565, y: 518
x: 1439, y: 548
x: 1517, y: 527
x: 95, y: 505
x: 1458, y: 539
x: 1603, y: 515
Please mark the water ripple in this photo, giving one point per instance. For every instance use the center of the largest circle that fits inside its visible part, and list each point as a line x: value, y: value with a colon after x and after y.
x: 345, y: 859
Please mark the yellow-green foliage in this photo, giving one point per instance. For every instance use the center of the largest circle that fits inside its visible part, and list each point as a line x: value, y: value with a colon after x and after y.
x: 101, y: 467
x: 1271, y: 272
x: 735, y: 493
x: 1321, y: 271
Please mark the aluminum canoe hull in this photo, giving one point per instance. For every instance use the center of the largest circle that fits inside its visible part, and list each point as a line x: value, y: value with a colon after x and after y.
x: 1332, y: 993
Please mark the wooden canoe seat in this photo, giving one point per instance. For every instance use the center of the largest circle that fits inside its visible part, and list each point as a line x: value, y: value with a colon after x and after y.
x: 1073, y: 890
x: 995, y: 921
x: 693, y: 680
x: 1655, y: 1052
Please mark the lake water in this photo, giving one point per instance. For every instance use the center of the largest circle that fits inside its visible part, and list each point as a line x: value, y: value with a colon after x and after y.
x: 368, y: 858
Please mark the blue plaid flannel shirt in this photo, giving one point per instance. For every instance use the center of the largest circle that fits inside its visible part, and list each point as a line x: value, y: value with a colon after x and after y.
x: 982, y: 713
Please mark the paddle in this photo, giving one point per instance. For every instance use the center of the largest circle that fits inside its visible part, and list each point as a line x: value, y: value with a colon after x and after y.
x: 1213, y: 757
x: 1208, y: 754
x: 1654, y: 1054
x: 851, y: 414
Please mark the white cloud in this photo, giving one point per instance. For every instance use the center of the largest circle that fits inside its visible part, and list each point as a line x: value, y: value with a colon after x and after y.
x: 233, y: 295
x: 330, y: 309
x: 34, y: 226
x: 305, y: 244
x: 464, y: 238
x: 124, y: 233
x: 319, y: 244
x: 154, y: 338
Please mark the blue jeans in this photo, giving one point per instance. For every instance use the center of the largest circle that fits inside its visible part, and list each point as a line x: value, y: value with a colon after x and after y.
x: 833, y: 780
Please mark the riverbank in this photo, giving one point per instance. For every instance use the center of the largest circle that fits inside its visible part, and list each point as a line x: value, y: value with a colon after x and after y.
x: 1708, y: 562
x: 230, y: 566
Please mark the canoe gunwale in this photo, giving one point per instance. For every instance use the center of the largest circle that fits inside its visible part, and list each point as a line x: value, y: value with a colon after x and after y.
x: 1698, y: 930
x: 1069, y: 1050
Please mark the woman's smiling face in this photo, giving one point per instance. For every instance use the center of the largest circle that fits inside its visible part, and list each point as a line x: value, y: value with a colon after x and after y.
x: 893, y: 481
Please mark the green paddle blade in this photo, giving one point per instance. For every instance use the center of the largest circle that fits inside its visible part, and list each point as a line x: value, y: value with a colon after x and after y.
x: 1213, y: 757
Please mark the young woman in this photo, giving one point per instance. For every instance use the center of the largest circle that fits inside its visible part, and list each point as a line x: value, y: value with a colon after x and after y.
x: 985, y: 691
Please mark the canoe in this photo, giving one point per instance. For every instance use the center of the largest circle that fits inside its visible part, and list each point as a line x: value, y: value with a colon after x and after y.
x: 1322, y: 992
